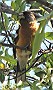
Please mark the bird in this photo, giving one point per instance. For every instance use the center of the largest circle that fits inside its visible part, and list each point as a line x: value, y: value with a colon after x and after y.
x: 27, y: 30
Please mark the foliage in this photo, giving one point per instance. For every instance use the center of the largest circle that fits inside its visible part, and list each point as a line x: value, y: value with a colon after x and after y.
x: 42, y: 58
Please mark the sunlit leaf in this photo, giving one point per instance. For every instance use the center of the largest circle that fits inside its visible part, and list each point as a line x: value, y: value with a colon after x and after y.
x: 15, y: 17
x: 49, y: 0
x: 46, y: 16
x: 36, y: 4
x: 22, y: 7
x: 2, y: 65
x: 34, y: 87
x: 9, y: 59
x: 6, y: 21
x: 49, y: 35
x: 48, y: 64
x: 18, y: 1
x: 39, y: 36
x: 50, y: 60
x: 13, y: 5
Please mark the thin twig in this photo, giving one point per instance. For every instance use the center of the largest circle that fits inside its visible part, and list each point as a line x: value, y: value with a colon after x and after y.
x: 35, y: 60
x: 28, y: 83
x: 44, y: 2
x: 12, y: 45
x: 47, y: 9
x: 31, y: 78
x: 10, y: 11
x: 45, y: 45
x: 48, y: 41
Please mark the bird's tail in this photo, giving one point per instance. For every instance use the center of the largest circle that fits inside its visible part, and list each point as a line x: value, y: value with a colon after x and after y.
x: 21, y: 76
x: 22, y: 59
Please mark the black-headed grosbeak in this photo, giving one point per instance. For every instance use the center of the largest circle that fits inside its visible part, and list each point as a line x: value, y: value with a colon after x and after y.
x: 26, y: 33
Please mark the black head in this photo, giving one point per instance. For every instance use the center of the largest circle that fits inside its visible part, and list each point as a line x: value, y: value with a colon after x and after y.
x: 29, y: 16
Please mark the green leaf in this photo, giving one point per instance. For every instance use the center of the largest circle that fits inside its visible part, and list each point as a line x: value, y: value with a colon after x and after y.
x: 50, y: 88
x: 36, y: 4
x: 37, y: 69
x: 34, y: 87
x: 1, y: 27
x: 6, y: 21
x: 50, y: 60
x: 39, y: 36
x: 2, y: 77
x: 40, y: 73
x: 1, y: 52
x: 50, y: 0
x: 49, y: 35
x: 18, y: 2
x: 22, y: 6
x: 47, y: 16
x: 14, y: 17
x: 48, y: 65
x: 13, y: 5
x: 9, y: 59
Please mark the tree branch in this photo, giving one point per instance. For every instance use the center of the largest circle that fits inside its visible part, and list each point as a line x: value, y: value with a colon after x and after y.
x: 35, y: 60
x: 47, y: 4
x: 7, y: 10
x: 44, y: 2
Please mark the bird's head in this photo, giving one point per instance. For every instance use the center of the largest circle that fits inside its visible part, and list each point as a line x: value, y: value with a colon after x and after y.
x: 29, y: 16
